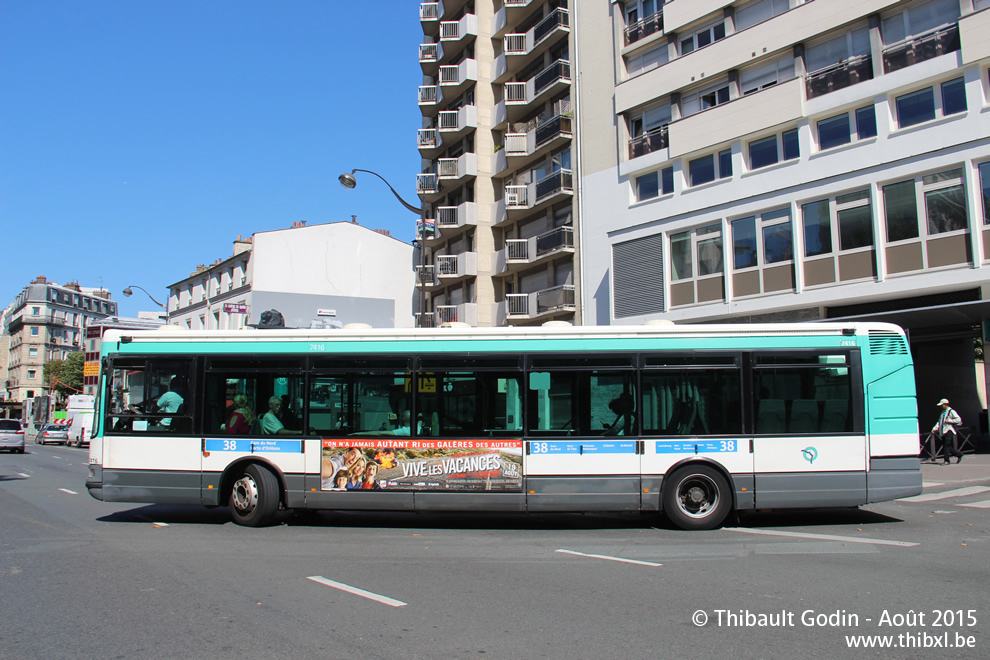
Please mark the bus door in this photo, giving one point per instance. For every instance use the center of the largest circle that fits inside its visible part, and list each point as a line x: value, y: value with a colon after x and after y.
x: 582, y: 450
x: 809, y: 448
x: 148, y: 443
x: 692, y: 408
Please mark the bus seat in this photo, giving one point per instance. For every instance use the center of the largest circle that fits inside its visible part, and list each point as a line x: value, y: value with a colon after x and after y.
x: 834, y: 419
x: 770, y: 418
x: 804, y: 416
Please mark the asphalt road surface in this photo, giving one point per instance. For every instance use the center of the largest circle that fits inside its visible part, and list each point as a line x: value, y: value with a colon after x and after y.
x: 85, y: 579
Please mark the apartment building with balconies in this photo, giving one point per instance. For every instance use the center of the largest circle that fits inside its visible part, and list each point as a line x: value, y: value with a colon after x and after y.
x: 497, y: 181
x: 46, y: 322
x: 763, y: 160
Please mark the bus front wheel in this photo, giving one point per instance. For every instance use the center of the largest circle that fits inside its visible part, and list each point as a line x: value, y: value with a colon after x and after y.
x: 697, y: 497
x: 254, y: 497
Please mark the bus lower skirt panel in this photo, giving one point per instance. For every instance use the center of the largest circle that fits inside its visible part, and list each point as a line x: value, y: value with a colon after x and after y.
x: 800, y: 490
x: 891, y: 478
x: 154, y: 486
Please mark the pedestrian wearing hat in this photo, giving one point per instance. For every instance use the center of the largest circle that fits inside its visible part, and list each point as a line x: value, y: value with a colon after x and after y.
x: 945, y: 428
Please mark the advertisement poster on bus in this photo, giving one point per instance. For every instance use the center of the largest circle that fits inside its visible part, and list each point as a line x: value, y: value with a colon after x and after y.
x: 422, y: 464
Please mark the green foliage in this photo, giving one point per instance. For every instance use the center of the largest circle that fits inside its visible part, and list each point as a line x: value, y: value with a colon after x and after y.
x: 65, y: 375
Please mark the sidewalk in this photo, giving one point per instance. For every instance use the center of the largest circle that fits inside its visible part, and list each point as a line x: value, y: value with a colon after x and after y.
x: 973, y: 468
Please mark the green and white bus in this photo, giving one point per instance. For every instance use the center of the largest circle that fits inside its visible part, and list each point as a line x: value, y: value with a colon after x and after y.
x: 694, y: 421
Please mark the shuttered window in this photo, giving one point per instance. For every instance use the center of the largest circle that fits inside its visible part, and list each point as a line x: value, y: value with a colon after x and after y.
x: 637, y: 276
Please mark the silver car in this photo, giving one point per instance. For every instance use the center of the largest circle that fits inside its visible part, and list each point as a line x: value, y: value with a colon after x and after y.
x: 12, y: 435
x: 57, y: 433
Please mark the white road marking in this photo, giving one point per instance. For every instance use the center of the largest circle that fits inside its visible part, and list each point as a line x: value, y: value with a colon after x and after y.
x: 931, y: 484
x: 357, y: 592
x: 626, y: 561
x: 70, y: 492
x: 23, y: 475
x: 820, y: 537
x: 958, y: 492
x: 985, y: 504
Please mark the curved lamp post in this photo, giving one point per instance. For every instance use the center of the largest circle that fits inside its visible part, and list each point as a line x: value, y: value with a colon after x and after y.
x: 128, y: 293
x: 348, y: 181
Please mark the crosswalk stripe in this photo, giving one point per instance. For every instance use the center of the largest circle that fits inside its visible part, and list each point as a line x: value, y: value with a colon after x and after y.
x: 985, y: 504
x: 958, y: 492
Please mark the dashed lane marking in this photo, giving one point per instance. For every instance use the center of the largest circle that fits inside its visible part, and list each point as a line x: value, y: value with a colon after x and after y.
x: 957, y: 492
x: 621, y: 559
x: 820, y: 537
x: 985, y: 504
x: 357, y: 592
x: 70, y: 492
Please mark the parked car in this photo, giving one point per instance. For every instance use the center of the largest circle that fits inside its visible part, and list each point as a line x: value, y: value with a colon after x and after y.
x: 12, y: 435
x: 57, y: 433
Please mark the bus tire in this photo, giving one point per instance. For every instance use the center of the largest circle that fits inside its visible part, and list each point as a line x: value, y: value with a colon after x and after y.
x: 254, y: 497
x: 697, y: 497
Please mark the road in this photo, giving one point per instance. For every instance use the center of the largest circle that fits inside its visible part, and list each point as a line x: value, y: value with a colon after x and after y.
x: 85, y: 579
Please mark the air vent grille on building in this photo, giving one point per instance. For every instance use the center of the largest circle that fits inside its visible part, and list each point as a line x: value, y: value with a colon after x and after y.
x: 887, y: 343
x: 637, y: 276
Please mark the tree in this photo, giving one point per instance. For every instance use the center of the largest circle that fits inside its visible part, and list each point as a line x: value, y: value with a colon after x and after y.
x: 65, y: 376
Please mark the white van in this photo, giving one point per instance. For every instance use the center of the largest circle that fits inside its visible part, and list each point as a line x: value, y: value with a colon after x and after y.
x: 80, y: 413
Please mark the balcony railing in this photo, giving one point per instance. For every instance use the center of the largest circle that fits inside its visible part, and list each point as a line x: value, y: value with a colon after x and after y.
x: 425, y: 275
x: 515, y: 143
x: 923, y: 47
x: 428, y: 94
x: 447, y: 168
x: 427, y: 184
x: 558, y: 239
x: 429, y: 52
x: 838, y: 76
x: 548, y: 130
x: 652, y: 140
x: 559, y: 70
x: 561, y: 180
x: 450, y: 30
x: 517, y: 304
x: 446, y: 216
x: 517, y: 249
x: 450, y: 74
x: 429, y: 11
x: 644, y: 28
x: 446, y: 265
x: 557, y: 18
x: 446, y: 314
x: 516, y: 196
x: 514, y: 44
x: 448, y: 120
x: 426, y: 138
x: 425, y: 320
x: 556, y: 298
x: 515, y: 92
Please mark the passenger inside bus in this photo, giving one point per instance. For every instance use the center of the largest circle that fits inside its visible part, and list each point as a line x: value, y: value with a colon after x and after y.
x: 270, y: 423
x: 241, y: 417
x: 624, y: 408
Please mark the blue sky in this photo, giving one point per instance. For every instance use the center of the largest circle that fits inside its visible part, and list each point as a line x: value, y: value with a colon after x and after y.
x: 138, y: 138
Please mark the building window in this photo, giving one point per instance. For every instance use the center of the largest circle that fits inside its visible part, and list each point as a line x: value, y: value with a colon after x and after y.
x: 768, y: 74
x: 702, y: 38
x: 839, y: 130
x: 817, y: 228
x: 945, y: 201
x: 985, y: 186
x: 647, y: 60
x: 34, y: 332
x: 32, y: 373
x: 921, y: 18
x: 648, y: 130
x: 768, y: 151
x: 900, y: 211
x: 32, y: 352
x: 654, y: 184
x: 855, y: 220
x: 702, y: 245
x: 707, y: 168
x: 680, y: 256
x: 924, y: 105
x: 703, y: 99
x: 759, y: 11
x: 769, y: 234
x: 35, y: 311
x: 837, y: 50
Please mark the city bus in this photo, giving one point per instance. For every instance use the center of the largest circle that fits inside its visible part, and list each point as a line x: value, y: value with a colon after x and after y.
x: 694, y: 421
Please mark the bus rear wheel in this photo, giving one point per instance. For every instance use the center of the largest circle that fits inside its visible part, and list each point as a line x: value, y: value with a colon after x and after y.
x: 697, y: 497
x: 254, y: 497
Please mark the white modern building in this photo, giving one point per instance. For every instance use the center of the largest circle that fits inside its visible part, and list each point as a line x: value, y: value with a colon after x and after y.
x: 315, y: 276
x: 764, y: 160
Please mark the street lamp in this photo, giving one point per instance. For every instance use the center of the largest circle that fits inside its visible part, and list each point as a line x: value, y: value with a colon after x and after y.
x: 128, y: 293
x: 348, y: 181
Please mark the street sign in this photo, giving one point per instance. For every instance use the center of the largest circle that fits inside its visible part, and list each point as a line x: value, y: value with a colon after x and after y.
x: 91, y: 368
x: 235, y: 308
